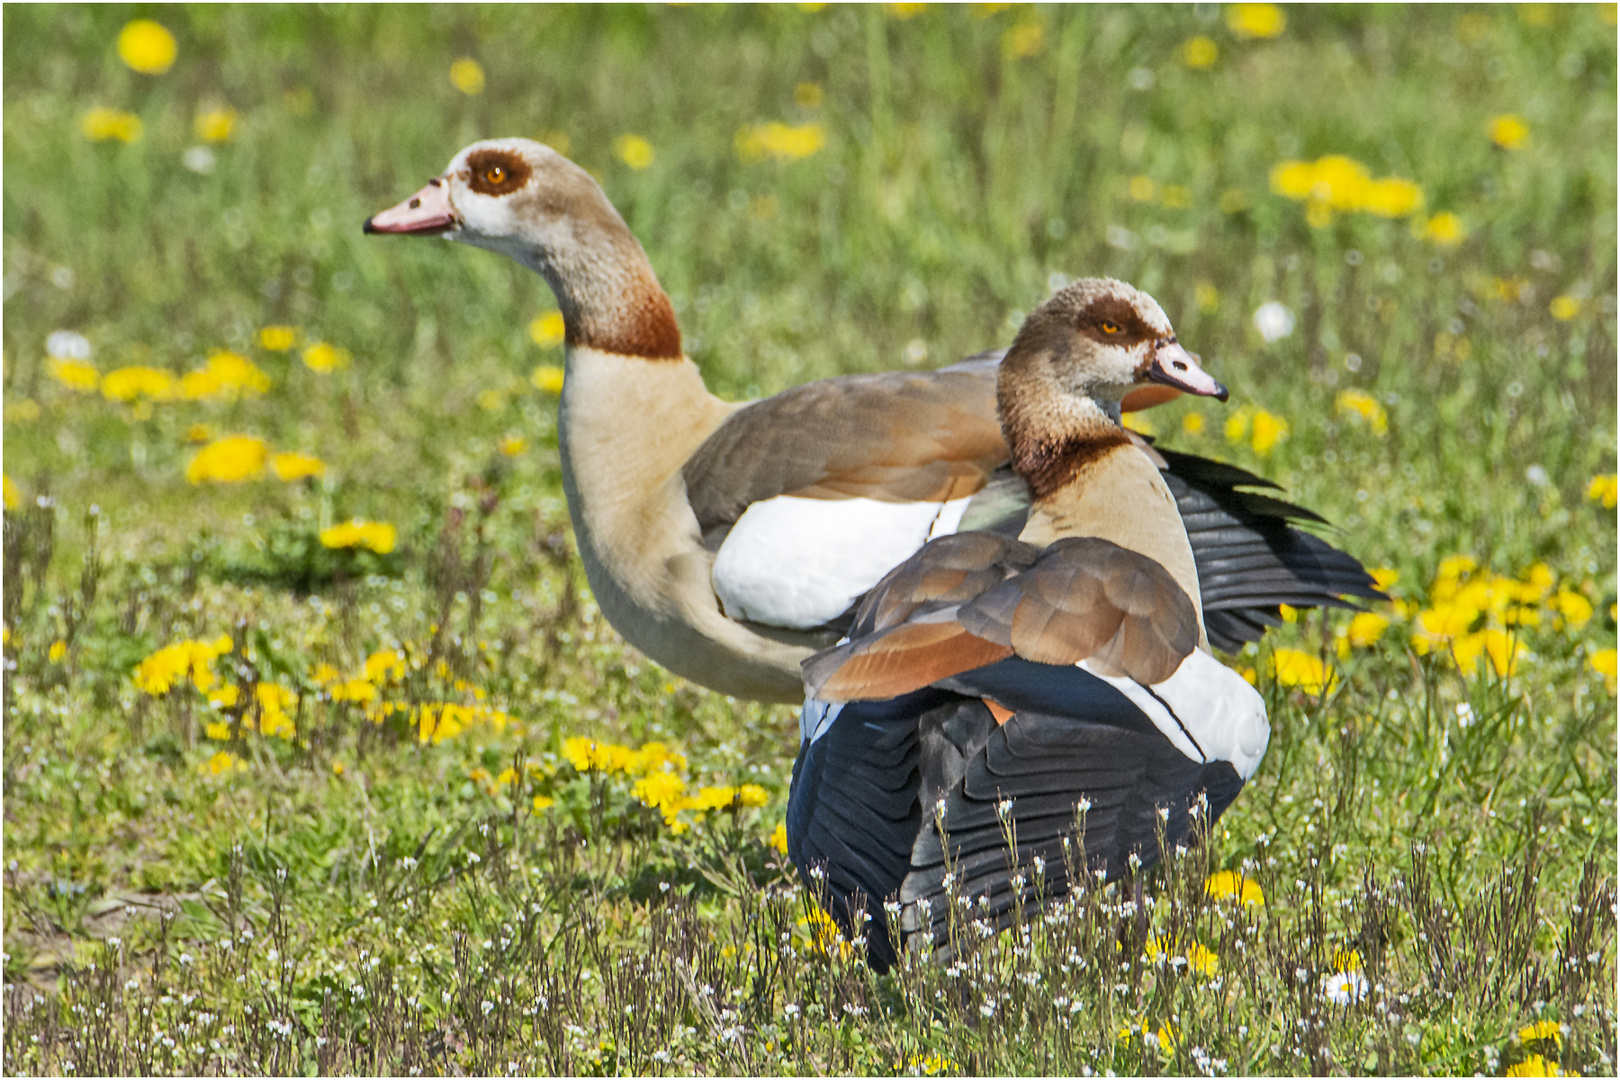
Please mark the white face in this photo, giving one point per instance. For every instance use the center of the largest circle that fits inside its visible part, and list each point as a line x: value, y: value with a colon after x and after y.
x: 484, y: 181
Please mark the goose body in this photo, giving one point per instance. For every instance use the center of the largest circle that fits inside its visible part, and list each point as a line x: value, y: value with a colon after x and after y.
x: 1055, y: 688
x: 728, y: 541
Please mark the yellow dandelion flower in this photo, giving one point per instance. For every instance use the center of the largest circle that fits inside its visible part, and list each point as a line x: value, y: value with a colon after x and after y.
x: 1237, y: 425
x: 713, y: 798
x: 1575, y: 609
x: 547, y: 378
x: 1027, y: 38
x: 278, y: 338
x: 1364, y: 407
x: 513, y: 445
x: 13, y: 497
x: 323, y: 357
x: 147, y: 47
x: 1391, y: 197
x: 655, y: 757
x: 1293, y: 179
x: 222, y: 762
x: 337, y: 767
x: 1193, y: 423
x: 1604, y: 663
x: 825, y: 936
x: 138, y: 381
x: 548, y: 330
x: 807, y: 95
x: 215, y: 125
x: 1199, y: 53
x: 633, y: 150
x: 291, y: 465
x: 1384, y: 577
x: 359, y: 691
x: 218, y: 731
x: 378, y: 536
x: 1453, y: 567
x: 384, y: 665
x: 1201, y: 961
x: 467, y: 75
x: 101, y: 124
x: 1230, y: 885
x: 76, y: 374
x: 662, y: 791
x: 1445, y: 229
x: 226, y: 376
x: 228, y: 461
x: 160, y: 672
x: 274, y: 701
x: 778, y: 838
x: 1509, y: 131
x: 779, y: 142
x: 752, y: 795
x: 1142, y: 188
x: 1542, y: 1031
x: 1256, y: 20
x: 1366, y: 628
x: 1534, y: 1065
x: 57, y: 652
x: 1446, y: 620
x: 544, y: 802
x: 1602, y: 490
x: 1564, y: 308
x: 1269, y: 430
x: 1310, y: 673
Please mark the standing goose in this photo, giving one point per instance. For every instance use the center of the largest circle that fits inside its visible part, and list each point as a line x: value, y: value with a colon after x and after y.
x: 993, y: 686
x: 728, y: 541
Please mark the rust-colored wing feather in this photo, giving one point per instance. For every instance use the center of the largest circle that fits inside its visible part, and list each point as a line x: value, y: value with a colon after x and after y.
x: 971, y: 599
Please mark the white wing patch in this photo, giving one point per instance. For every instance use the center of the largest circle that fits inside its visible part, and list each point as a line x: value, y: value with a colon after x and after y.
x: 1209, y: 702
x: 796, y: 562
x: 817, y: 717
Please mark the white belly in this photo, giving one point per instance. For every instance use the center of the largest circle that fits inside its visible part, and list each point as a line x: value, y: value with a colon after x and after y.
x: 796, y: 563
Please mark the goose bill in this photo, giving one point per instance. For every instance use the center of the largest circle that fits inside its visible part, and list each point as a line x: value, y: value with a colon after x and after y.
x: 428, y: 211
x: 1174, y: 366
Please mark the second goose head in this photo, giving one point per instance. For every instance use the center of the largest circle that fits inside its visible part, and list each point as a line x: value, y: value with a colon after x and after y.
x: 1075, y: 359
x: 524, y: 200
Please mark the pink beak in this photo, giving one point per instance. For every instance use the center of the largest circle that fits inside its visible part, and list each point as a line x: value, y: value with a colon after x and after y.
x: 427, y: 212
x: 1174, y: 366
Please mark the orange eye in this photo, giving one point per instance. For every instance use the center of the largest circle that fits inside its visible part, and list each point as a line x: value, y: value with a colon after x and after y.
x: 1108, y: 327
x: 494, y: 175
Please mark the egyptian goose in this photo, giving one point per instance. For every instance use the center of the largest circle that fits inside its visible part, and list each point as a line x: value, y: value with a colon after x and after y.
x: 728, y: 541
x: 993, y: 686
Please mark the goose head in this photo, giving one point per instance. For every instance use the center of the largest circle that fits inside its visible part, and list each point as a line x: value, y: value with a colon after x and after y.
x: 522, y: 199
x: 1079, y: 354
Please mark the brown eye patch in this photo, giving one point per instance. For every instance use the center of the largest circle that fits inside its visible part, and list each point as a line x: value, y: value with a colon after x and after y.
x: 1113, y: 320
x: 496, y: 172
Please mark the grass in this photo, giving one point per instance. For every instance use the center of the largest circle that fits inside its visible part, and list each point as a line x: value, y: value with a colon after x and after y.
x: 375, y: 893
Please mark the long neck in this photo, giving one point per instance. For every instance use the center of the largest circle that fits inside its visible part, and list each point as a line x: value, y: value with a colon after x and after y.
x: 1086, y: 478
x: 605, y: 286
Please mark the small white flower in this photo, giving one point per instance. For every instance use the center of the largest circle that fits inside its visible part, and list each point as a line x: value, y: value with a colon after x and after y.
x: 1344, y: 987
x: 66, y: 345
x: 1083, y: 805
x: 199, y: 159
x: 1273, y: 321
x: 488, y: 1006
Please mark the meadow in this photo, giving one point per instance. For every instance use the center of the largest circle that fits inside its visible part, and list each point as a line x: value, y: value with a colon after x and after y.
x: 318, y: 756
